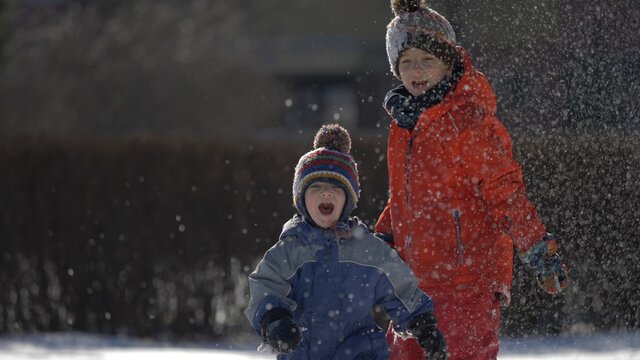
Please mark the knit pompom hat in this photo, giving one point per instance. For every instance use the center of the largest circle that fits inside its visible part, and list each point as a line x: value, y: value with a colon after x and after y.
x: 418, y: 26
x: 330, y: 161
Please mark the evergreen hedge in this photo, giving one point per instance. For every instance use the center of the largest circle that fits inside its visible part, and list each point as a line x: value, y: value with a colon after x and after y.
x: 155, y: 237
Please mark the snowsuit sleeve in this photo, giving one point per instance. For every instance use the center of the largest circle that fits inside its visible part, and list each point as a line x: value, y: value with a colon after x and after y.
x: 397, y: 288
x: 270, y: 282
x: 487, y: 159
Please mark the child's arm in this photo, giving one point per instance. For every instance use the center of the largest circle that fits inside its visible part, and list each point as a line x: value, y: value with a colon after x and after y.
x: 410, y: 309
x: 397, y: 287
x: 488, y: 160
x: 497, y: 178
x: 270, y: 311
x: 269, y: 283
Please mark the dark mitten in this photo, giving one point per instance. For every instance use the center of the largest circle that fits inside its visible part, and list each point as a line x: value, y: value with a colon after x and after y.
x: 431, y: 340
x: 543, y: 258
x: 280, y: 331
x: 402, y: 109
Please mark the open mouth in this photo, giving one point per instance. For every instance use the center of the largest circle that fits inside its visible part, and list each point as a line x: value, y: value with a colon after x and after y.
x: 326, y: 208
x: 420, y: 84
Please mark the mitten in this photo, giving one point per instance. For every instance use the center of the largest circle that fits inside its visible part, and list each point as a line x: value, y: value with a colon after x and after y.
x: 431, y: 340
x: 543, y: 258
x: 280, y: 331
x: 402, y: 109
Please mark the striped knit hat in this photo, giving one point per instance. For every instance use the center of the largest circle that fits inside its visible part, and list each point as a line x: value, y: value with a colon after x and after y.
x: 418, y: 26
x: 330, y: 161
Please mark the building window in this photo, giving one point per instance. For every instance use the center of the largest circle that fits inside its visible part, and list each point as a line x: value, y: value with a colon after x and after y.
x: 310, y: 104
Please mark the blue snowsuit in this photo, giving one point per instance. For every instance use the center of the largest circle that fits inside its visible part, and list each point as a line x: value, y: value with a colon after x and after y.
x: 330, y: 284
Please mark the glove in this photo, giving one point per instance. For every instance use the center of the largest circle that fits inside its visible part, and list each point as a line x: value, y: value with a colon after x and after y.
x: 423, y: 327
x: 402, y: 109
x: 543, y: 258
x: 280, y: 331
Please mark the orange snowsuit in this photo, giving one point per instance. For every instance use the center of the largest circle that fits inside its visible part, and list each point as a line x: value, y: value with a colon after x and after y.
x: 457, y: 205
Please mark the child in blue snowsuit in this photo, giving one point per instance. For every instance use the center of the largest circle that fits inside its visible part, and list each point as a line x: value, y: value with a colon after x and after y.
x: 312, y: 293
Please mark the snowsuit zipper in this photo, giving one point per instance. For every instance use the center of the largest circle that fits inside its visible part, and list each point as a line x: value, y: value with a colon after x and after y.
x: 459, y: 249
x: 407, y: 180
x: 407, y: 176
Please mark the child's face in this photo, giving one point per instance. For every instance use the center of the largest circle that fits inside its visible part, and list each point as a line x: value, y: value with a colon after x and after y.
x: 324, y: 202
x: 421, y: 70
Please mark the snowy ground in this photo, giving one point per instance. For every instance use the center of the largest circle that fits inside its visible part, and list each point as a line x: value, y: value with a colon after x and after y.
x: 609, y: 346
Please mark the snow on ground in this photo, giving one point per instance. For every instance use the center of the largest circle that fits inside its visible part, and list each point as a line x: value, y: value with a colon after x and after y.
x: 74, y: 346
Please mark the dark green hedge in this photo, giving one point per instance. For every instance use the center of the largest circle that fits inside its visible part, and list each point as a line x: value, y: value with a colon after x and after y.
x: 155, y: 236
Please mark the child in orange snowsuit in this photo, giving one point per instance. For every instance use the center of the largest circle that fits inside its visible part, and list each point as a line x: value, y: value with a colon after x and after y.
x: 457, y: 202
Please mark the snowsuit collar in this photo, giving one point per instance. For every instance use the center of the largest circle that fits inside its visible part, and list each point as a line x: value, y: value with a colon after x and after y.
x: 342, y: 230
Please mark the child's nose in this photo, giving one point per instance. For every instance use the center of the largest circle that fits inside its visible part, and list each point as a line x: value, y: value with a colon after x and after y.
x: 326, y: 192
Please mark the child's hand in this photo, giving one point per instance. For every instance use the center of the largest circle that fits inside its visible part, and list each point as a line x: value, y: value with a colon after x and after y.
x: 431, y: 340
x: 543, y: 258
x: 404, y: 110
x: 280, y: 331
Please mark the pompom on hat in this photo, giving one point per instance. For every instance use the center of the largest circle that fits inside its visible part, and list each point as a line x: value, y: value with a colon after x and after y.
x: 418, y: 26
x: 329, y: 161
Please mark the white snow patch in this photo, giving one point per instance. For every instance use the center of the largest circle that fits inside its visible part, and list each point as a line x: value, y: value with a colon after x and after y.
x: 75, y: 346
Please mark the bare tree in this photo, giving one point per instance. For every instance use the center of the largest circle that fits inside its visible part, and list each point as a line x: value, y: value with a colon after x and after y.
x: 141, y: 66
